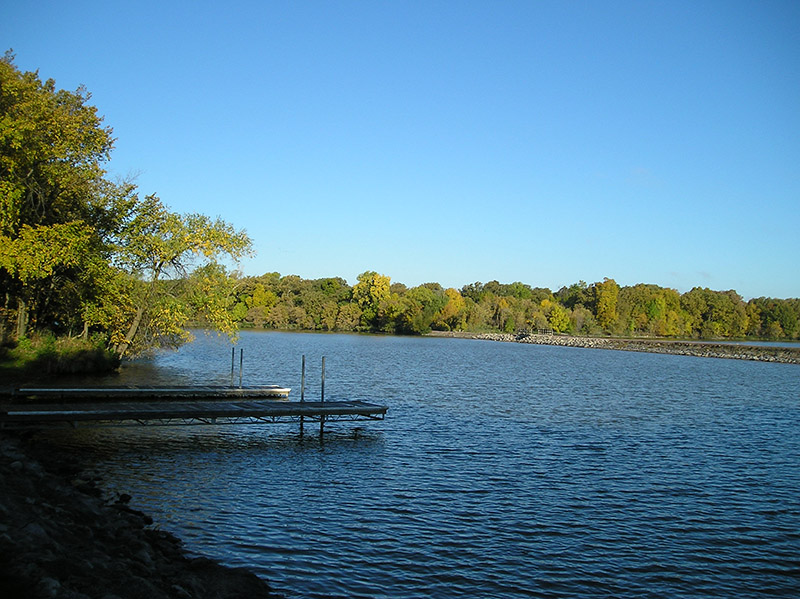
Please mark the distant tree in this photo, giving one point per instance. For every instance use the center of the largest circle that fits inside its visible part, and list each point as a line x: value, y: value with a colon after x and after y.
x: 606, y: 295
x: 262, y: 297
x: 371, y: 290
x: 520, y: 290
x: 577, y: 293
x: 473, y: 291
x: 774, y: 318
x: 421, y: 305
x: 258, y: 316
x: 582, y: 321
x: 278, y: 317
x: 348, y: 318
x: 557, y: 316
x: 328, y: 316
x: 452, y: 316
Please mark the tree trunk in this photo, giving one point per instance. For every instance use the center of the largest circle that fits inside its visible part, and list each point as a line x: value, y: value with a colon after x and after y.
x: 123, y: 347
x: 22, y: 318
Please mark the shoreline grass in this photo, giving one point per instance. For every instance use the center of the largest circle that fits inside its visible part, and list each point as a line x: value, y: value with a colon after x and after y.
x: 44, y: 356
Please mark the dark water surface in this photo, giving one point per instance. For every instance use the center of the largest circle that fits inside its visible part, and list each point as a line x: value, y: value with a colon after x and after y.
x: 502, y: 470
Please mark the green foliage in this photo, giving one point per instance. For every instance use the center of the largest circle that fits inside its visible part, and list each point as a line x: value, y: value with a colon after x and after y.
x: 774, y: 318
x: 52, y: 146
x: 38, y: 252
x: 369, y: 293
x: 375, y: 304
x: 154, y: 249
x: 557, y: 316
x: 605, y: 296
x: 46, y: 354
x: 79, y: 253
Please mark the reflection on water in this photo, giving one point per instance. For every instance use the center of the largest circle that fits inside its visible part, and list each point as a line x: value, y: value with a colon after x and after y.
x: 502, y: 470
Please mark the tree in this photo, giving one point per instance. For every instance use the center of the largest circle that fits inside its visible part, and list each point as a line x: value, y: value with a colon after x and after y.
x: 36, y: 255
x: 348, y: 318
x: 605, y: 301
x: 79, y: 252
x: 557, y: 316
x: 156, y: 247
x: 452, y: 316
x: 371, y: 290
x: 577, y: 293
x: 421, y: 306
x: 52, y: 195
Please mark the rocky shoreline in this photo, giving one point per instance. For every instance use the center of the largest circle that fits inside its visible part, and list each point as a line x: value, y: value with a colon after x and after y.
x: 61, y: 539
x: 700, y: 349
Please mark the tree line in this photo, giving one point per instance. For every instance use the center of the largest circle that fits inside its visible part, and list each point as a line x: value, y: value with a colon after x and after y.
x: 85, y: 256
x: 375, y: 304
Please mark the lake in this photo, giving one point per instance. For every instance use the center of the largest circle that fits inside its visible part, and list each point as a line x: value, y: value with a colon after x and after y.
x: 501, y: 470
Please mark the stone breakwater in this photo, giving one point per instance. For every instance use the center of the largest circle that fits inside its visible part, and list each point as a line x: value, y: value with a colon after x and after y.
x: 701, y: 349
x: 60, y: 539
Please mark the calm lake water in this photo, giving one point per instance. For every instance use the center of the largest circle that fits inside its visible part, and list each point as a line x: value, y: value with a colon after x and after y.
x: 502, y: 470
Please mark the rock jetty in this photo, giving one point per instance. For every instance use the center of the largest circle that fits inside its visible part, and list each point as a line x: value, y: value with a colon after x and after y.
x: 701, y: 349
x: 60, y: 539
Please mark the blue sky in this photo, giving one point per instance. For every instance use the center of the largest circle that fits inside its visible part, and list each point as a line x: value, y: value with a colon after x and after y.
x: 542, y: 142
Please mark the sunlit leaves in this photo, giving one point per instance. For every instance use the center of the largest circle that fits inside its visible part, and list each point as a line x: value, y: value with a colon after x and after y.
x: 605, y: 298
x: 641, y: 309
x: 36, y: 252
x: 52, y: 146
x: 156, y: 246
x: 371, y: 290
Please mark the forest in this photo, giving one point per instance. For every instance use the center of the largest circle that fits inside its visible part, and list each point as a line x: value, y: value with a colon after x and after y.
x: 87, y: 257
x: 375, y: 304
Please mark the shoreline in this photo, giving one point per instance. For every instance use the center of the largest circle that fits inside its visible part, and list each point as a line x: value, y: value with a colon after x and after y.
x: 60, y: 538
x: 698, y: 349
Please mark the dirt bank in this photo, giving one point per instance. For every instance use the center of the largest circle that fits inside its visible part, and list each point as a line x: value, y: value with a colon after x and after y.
x: 701, y: 349
x: 60, y: 539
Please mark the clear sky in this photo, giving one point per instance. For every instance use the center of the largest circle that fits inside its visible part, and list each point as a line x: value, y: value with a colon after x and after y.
x: 542, y: 142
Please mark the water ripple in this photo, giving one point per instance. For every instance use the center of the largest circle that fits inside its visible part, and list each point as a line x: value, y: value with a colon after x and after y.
x: 502, y: 470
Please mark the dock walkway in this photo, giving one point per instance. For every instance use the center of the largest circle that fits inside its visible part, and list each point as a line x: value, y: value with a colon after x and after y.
x: 91, y: 394
x: 107, y: 407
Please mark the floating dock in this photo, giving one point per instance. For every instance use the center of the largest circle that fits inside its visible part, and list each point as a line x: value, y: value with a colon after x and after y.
x: 32, y: 394
x: 174, y: 406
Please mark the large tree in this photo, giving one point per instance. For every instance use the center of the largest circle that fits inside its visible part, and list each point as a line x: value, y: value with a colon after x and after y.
x: 52, y: 148
x: 79, y: 252
x: 155, y: 251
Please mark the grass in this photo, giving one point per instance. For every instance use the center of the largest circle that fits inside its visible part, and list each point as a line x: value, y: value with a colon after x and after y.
x: 44, y: 355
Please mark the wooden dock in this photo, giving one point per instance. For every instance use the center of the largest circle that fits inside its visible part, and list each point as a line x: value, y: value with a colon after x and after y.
x: 173, y: 406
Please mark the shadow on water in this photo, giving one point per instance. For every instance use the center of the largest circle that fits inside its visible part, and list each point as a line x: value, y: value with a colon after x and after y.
x: 184, y: 440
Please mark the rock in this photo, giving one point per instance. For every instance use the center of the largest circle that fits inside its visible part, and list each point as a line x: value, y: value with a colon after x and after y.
x: 180, y: 592
x: 701, y: 349
x: 36, y: 531
x: 58, y: 541
x: 48, y: 587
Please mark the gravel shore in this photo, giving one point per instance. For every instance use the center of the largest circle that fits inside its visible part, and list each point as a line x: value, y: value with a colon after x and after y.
x: 701, y: 349
x: 60, y: 539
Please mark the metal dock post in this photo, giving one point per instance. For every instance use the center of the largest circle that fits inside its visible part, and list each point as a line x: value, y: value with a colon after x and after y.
x: 322, y: 400
x: 302, y: 390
